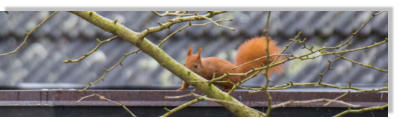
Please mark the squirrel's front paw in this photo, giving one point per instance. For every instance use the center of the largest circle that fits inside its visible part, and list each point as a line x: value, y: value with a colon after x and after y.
x: 181, y: 89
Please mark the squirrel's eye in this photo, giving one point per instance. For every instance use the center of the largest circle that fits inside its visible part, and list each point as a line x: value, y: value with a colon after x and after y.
x: 195, y: 66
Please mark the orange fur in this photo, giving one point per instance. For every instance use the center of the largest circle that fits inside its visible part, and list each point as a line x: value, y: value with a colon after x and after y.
x: 248, y: 51
x: 255, y: 48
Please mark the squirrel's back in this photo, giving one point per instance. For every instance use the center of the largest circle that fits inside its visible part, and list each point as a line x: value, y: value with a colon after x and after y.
x: 256, y: 48
x: 250, y: 50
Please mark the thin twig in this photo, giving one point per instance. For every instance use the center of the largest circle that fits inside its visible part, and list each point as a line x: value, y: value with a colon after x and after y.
x: 159, y: 14
x: 101, y: 97
x: 177, y: 20
x: 28, y: 34
x: 219, y: 25
x: 170, y: 35
x: 100, y: 43
x: 180, y: 107
x: 236, y: 85
x: 259, y: 58
x: 214, y: 100
x: 347, y: 50
x: 179, y: 96
x: 198, y: 98
x: 329, y: 67
x: 361, y: 64
x: 361, y: 110
x: 108, y: 70
x: 337, y: 98
x: 206, y: 23
x: 283, y: 104
x: 166, y: 13
x: 322, y: 84
x: 269, y: 97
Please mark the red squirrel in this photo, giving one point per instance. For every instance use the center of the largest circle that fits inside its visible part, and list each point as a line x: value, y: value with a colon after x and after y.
x: 248, y: 51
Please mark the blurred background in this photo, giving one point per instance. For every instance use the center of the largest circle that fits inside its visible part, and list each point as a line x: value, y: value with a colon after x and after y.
x: 39, y: 64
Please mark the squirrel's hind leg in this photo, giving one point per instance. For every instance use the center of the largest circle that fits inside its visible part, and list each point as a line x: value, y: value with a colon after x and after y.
x: 183, y: 86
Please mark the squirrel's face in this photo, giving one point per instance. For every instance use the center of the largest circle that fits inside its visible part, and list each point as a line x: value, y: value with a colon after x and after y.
x: 193, y: 61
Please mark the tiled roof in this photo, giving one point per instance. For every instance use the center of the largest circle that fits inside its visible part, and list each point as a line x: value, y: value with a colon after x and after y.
x: 40, y: 62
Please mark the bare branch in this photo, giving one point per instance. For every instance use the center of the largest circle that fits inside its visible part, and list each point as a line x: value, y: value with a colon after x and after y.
x: 177, y: 20
x: 242, y: 81
x: 266, y: 86
x: 365, y: 23
x: 313, y: 101
x: 267, y: 24
x: 180, y: 96
x: 166, y: 13
x: 28, y: 34
x: 180, y: 107
x: 361, y: 64
x: 101, y: 97
x: 337, y: 98
x: 217, y: 21
x: 321, y: 84
x: 100, y: 43
x: 362, y: 110
x: 106, y: 71
x: 198, y: 98
x: 350, y: 50
x: 170, y: 35
x: 219, y: 25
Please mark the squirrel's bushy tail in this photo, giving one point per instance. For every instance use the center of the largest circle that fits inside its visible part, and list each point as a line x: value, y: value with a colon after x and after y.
x: 254, y: 49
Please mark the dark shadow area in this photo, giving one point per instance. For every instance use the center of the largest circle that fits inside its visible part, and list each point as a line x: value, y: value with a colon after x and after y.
x: 107, y: 111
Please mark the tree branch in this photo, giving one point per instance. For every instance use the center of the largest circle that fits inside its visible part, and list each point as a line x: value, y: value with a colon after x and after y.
x: 119, y: 63
x: 168, y: 62
x: 28, y: 34
x: 100, y: 43
x: 283, y: 104
x: 361, y: 64
x: 101, y: 97
x: 166, y: 13
x: 177, y: 20
x: 362, y: 110
x: 106, y: 71
x: 180, y: 107
x: 266, y: 86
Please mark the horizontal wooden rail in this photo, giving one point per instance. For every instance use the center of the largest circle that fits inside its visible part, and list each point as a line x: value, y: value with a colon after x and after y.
x: 152, y: 98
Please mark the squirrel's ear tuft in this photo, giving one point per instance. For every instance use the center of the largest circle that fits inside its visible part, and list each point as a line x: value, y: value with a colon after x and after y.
x: 199, y: 56
x: 199, y: 52
x: 190, y: 49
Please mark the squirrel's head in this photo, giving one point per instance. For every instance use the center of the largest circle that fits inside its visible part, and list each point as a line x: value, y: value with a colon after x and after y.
x: 193, y: 61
